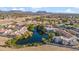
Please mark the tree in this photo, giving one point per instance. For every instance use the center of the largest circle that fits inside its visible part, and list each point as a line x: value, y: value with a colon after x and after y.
x: 41, y: 29
x: 37, y: 18
x: 65, y: 20
x: 50, y: 36
x: 31, y: 27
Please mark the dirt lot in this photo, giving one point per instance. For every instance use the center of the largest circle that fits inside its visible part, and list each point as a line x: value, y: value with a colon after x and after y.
x: 40, y: 48
x: 3, y: 40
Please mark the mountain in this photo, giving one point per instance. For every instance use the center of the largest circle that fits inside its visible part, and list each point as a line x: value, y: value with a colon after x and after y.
x: 43, y: 9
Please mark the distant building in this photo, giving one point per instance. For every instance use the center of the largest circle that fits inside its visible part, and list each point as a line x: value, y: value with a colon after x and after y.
x: 65, y: 41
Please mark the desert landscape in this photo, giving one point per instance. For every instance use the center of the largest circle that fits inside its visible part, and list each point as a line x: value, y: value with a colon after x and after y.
x: 38, y: 31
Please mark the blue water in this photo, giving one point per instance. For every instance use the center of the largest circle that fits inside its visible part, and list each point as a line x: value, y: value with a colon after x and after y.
x: 36, y: 37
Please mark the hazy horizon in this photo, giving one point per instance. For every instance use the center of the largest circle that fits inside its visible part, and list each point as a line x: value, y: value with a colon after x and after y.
x: 47, y: 9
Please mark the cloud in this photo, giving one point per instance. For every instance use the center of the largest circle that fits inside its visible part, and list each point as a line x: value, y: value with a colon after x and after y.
x: 69, y: 10
x: 21, y: 9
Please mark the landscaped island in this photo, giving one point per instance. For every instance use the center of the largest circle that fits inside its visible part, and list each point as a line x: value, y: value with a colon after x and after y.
x: 38, y: 29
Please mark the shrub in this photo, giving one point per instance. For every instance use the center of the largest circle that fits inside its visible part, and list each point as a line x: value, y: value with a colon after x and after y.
x: 18, y: 46
x: 11, y: 43
x: 44, y: 40
x: 56, y: 33
x: 14, y: 42
x: 36, y: 44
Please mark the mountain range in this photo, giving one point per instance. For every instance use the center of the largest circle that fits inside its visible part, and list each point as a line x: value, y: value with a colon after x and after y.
x: 43, y: 9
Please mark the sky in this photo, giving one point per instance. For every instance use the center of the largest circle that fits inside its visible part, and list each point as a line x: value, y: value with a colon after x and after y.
x: 56, y: 6
x: 47, y: 9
